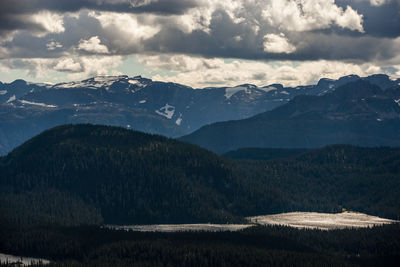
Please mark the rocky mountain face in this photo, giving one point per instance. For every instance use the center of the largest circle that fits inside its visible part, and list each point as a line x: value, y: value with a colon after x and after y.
x: 170, y: 109
x: 358, y: 113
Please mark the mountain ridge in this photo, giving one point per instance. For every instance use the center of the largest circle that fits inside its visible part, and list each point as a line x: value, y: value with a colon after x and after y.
x: 169, y: 109
x: 357, y: 113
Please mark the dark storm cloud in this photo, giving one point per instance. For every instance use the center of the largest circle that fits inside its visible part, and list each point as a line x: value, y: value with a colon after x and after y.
x: 14, y: 14
x: 134, y: 6
x: 224, y: 36
x: 26, y: 45
x: 221, y: 42
x: 380, y: 21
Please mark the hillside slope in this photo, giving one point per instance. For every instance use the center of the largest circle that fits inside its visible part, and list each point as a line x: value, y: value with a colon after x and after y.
x: 85, y: 174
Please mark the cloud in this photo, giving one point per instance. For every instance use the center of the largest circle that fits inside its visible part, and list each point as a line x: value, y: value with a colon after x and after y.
x: 38, y: 24
x: 379, y: 2
x: 53, y: 45
x: 274, y: 43
x: 51, y: 22
x: 126, y: 32
x: 68, y: 35
x: 379, y: 20
x: 93, y: 45
x: 305, y: 15
x: 76, y: 67
x: 68, y: 65
x: 217, y: 72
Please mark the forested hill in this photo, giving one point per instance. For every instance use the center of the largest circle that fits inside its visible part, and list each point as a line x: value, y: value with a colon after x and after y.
x: 85, y: 174
x: 120, y: 175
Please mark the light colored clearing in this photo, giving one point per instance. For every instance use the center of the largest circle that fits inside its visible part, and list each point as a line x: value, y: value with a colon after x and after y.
x: 181, y: 227
x: 37, y: 104
x: 3, y: 92
x: 142, y: 101
x: 230, y: 91
x: 26, y: 261
x: 323, y: 221
x: 11, y: 99
x: 308, y: 220
x: 166, y: 111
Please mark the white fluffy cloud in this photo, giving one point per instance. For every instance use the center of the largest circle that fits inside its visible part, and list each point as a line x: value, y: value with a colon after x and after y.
x: 53, y: 45
x: 76, y: 67
x: 290, y: 15
x: 93, y: 45
x: 274, y: 43
x: 306, y: 15
x: 68, y: 64
x: 51, y: 22
x: 217, y: 72
x: 125, y: 30
x: 378, y: 2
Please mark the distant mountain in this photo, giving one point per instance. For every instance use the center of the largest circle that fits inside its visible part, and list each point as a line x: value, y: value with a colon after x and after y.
x: 170, y: 109
x: 358, y: 113
x: 85, y: 174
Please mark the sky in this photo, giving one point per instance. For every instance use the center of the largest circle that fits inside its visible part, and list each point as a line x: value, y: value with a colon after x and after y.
x: 199, y: 43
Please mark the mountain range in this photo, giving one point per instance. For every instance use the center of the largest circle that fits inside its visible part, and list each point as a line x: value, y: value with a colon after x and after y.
x: 170, y: 109
x: 358, y: 113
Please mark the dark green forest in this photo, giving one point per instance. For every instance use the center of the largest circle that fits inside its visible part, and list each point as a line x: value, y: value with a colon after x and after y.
x: 83, y: 175
x: 257, y: 153
x: 256, y: 246
x: 59, y: 188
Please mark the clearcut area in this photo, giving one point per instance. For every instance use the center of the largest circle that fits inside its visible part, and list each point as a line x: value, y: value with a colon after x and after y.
x: 322, y: 221
x: 308, y: 220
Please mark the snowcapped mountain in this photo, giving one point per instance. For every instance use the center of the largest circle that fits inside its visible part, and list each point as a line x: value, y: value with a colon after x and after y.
x: 135, y: 102
x: 357, y: 113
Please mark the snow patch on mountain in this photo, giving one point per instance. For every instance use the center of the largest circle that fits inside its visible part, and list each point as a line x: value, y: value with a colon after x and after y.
x: 142, y: 101
x: 11, y: 99
x: 284, y: 92
x: 106, y: 81
x: 136, y: 82
x: 179, y: 120
x: 74, y: 85
x: 230, y: 91
x: 93, y: 83
x: 3, y: 92
x: 268, y: 88
x: 166, y: 111
x: 37, y: 104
